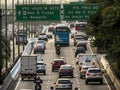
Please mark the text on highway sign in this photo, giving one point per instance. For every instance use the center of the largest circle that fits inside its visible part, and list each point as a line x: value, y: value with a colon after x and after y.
x: 37, y: 12
x: 79, y: 12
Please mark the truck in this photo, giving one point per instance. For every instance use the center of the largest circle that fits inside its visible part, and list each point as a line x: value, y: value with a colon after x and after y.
x: 28, y: 66
x: 86, y: 60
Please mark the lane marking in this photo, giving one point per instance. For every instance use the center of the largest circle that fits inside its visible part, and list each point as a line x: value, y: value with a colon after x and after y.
x: 103, y: 75
x: 17, y: 84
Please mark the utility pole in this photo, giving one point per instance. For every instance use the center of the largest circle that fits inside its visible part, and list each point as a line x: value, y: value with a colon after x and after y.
x: 13, y: 30
x: 6, y: 34
x: 1, y: 57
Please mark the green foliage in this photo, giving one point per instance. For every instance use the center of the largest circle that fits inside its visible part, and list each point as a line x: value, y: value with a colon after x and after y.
x: 105, y: 24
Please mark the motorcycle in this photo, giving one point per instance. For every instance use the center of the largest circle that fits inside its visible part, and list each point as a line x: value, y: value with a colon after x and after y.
x: 38, y: 86
x: 58, y: 52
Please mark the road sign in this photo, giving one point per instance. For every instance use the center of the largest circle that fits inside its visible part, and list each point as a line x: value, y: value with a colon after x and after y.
x: 37, y: 12
x: 79, y: 12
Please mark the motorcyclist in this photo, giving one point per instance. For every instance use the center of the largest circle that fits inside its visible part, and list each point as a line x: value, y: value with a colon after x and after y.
x: 38, y: 83
x: 57, y: 47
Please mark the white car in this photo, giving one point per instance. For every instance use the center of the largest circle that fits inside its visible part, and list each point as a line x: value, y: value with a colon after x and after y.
x: 63, y: 83
x: 39, y: 57
x: 94, y: 75
x: 42, y: 42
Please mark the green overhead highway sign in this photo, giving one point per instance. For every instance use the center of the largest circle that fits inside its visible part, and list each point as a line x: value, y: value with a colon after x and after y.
x: 79, y: 12
x: 37, y: 12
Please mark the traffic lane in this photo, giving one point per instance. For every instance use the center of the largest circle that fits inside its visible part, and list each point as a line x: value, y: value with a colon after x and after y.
x: 81, y: 82
x: 49, y: 78
x: 53, y: 76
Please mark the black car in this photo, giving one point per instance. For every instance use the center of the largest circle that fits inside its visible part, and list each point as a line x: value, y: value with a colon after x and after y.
x: 79, y: 50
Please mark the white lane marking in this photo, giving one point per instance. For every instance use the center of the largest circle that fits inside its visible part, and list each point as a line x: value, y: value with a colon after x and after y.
x: 103, y: 76
x: 17, y: 84
x: 76, y: 74
x: 25, y: 89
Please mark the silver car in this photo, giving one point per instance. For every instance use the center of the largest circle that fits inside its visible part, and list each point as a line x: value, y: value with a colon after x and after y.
x: 63, y: 83
x: 94, y: 75
x: 83, y: 71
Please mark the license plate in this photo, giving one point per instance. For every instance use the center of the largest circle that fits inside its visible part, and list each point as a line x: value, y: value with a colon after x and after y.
x: 64, y: 86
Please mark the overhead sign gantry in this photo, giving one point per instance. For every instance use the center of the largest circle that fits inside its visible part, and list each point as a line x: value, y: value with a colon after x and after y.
x: 54, y: 12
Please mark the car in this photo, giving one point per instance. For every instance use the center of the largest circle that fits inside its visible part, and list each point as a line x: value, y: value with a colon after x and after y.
x: 41, y: 67
x: 39, y: 57
x: 80, y: 26
x: 83, y: 71
x: 94, y: 75
x: 41, y: 42
x: 39, y: 48
x: 57, y: 63
x: 42, y: 36
x: 77, y: 39
x: 66, y: 70
x: 78, y: 60
x: 82, y: 44
x: 79, y: 50
x: 89, y: 62
x: 81, y: 34
x: 63, y: 83
x: 73, y: 32
x: 51, y: 28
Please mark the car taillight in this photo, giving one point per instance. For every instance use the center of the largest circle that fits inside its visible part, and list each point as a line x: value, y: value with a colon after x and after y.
x: 93, y: 63
x: 101, y: 74
x: 56, y: 85
x: 79, y: 68
x: 88, y: 74
x: 60, y: 70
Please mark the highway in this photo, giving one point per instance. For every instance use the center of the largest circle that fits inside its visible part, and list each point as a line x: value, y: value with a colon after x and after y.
x: 51, y: 77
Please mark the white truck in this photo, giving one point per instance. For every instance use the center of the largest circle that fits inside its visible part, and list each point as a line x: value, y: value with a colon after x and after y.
x: 28, y: 66
x: 86, y: 60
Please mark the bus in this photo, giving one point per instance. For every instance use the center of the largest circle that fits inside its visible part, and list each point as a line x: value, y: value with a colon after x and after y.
x: 80, y: 26
x: 61, y: 35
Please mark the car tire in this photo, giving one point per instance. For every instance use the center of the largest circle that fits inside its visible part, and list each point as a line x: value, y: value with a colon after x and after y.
x: 86, y: 82
x: 43, y: 52
x: 59, y: 76
x: 72, y: 76
x: 52, y: 70
x: 101, y: 82
x: 44, y: 72
x: 81, y: 77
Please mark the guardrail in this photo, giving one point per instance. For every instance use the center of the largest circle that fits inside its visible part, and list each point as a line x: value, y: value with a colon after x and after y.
x: 14, y: 73
x: 110, y: 73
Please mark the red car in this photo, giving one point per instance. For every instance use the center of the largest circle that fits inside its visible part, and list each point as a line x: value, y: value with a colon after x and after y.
x: 57, y: 63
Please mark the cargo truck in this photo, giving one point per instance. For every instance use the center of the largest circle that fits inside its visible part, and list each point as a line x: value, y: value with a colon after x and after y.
x: 28, y: 66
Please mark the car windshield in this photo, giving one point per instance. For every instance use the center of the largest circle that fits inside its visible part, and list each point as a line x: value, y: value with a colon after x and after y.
x: 64, y: 81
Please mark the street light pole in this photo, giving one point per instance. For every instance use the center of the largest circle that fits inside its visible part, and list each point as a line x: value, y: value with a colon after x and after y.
x: 13, y: 30
x: 6, y: 33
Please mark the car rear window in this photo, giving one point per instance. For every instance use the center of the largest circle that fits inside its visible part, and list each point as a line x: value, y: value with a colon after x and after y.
x: 63, y: 81
x: 59, y: 62
x: 66, y: 67
x: 94, y: 71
